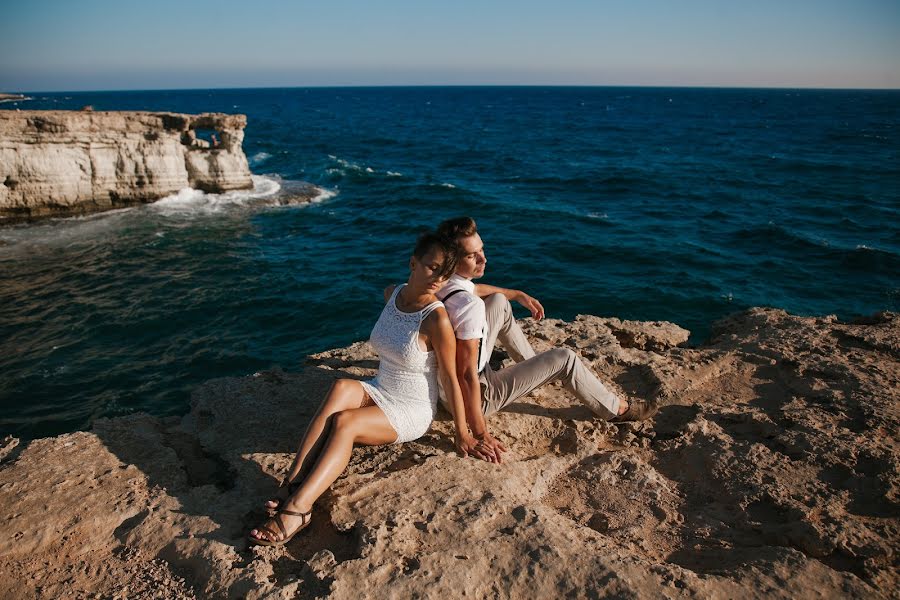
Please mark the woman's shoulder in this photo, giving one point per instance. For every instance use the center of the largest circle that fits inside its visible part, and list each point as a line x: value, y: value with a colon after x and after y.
x: 437, y: 317
x: 389, y: 291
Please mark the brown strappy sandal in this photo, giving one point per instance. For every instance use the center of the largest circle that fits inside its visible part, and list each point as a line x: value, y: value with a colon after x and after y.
x: 277, y: 518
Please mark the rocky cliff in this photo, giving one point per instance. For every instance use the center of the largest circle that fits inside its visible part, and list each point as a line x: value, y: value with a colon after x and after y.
x: 73, y: 162
x: 771, y: 471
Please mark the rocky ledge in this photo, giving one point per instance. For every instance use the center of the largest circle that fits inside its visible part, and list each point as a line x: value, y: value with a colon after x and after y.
x: 75, y: 162
x: 12, y: 97
x: 771, y: 471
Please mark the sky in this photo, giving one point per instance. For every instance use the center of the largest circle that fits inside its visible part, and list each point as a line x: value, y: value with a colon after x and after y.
x: 66, y: 45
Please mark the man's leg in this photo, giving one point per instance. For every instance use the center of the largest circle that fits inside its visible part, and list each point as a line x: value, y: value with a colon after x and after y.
x: 500, y: 388
x: 502, y: 326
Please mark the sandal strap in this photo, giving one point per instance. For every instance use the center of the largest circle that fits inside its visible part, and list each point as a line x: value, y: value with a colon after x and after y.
x: 274, y: 534
x: 294, y: 513
x: 278, y: 522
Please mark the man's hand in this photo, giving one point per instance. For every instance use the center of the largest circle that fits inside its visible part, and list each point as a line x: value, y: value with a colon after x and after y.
x: 492, y: 447
x: 537, y: 311
x: 466, y: 445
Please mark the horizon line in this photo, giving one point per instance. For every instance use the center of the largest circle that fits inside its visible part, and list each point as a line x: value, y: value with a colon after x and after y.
x: 478, y: 85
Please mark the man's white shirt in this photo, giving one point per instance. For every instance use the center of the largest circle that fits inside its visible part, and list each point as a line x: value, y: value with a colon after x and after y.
x: 467, y: 314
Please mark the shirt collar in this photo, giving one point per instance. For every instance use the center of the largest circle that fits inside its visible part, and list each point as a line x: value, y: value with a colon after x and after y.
x: 461, y: 282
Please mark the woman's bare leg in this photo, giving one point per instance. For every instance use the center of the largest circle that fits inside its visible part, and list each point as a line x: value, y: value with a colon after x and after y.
x: 366, y: 426
x: 344, y: 394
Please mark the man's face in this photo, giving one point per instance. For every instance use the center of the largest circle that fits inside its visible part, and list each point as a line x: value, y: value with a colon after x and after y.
x: 472, y: 262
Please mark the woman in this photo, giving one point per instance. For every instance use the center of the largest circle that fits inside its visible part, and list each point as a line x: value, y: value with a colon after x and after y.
x: 416, y: 344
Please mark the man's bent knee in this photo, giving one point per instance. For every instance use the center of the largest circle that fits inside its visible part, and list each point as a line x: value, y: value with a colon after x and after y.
x: 563, y: 355
x: 497, y: 302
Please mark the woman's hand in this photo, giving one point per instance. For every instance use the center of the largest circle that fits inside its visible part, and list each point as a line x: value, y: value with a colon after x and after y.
x: 491, y: 446
x: 466, y: 445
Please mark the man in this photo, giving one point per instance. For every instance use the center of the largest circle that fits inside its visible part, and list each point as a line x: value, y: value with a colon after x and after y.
x: 481, y: 315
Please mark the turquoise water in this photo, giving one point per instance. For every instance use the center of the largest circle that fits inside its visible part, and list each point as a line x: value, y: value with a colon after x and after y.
x: 640, y: 203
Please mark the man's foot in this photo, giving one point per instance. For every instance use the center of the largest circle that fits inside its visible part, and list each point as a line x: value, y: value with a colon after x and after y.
x: 638, y: 410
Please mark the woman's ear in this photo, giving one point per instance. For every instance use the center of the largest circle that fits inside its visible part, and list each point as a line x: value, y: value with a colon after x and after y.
x: 412, y: 263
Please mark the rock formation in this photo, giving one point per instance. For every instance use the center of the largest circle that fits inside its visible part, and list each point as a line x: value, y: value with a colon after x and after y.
x: 73, y: 162
x: 771, y: 471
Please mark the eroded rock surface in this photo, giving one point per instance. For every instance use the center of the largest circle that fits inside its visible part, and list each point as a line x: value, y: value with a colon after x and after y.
x: 771, y: 470
x: 72, y: 162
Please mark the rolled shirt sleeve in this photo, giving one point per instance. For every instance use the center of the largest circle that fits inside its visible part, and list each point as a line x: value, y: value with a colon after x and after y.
x: 469, y: 317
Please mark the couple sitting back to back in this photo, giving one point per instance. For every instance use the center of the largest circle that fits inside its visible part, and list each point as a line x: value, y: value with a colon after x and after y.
x: 434, y: 338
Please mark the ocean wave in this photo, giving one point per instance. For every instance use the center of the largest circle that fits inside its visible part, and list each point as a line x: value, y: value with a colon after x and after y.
x: 259, y: 157
x: 191, y: 201
x: 61, y: 232
x: 860, y: 257
x: 16, y: 99
x: 773, y: 235
x: 797, y: 164
x: 355, y: 172
x: 268, y: 190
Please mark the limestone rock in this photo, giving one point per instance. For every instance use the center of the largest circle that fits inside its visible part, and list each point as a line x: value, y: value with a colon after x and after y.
x: 73, y: 162
x: 771, y: 470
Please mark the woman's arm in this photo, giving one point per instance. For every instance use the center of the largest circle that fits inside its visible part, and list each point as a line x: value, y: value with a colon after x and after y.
x: 443, y: 341
x: 387, y: 292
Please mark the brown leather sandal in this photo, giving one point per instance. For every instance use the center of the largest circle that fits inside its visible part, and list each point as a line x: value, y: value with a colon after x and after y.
x: 277, y: 518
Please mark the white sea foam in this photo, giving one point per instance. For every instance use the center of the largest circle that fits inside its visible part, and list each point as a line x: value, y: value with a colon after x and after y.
x: 394, y: 174
x: 596, y: 215
x: 324, y: 195
x: 448, y: 185
x: 190, y: 201
x: 259, y: 157
x: 268, y: 191
x: 17, y: 99
x: 345, y: 166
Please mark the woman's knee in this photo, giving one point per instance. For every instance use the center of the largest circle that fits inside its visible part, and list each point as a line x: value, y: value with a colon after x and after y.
x: 343, y: 421
x: 340, y: 395
x: 342, y: 386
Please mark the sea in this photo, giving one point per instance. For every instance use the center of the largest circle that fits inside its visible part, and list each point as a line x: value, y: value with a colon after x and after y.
x: 676, y: 204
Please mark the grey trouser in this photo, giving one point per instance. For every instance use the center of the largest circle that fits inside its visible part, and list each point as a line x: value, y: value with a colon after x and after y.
x: 531, y: 371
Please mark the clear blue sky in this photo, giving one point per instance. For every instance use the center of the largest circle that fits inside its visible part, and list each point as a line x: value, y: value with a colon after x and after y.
x: 48, y: 45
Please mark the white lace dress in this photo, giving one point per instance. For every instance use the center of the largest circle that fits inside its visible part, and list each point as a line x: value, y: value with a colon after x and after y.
x: 406, y: 386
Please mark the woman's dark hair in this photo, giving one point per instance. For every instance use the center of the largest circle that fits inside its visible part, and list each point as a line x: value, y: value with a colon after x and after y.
x: 460, y: 227
x: 430, y: 240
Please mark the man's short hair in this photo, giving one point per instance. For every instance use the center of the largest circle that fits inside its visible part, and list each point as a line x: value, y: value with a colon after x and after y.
x: 456, y: 228
x: 431, y: 239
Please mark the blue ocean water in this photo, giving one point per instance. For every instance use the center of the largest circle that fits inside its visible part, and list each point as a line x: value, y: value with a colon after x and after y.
x: 640, y: 203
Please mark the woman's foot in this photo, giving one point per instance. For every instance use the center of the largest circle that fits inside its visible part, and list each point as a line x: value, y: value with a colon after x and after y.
x: 286, y: 489
x: 281, y: 528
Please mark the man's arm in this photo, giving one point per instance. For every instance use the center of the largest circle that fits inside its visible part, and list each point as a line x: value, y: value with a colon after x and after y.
x: 470, y: 386
x: 483, y: 290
